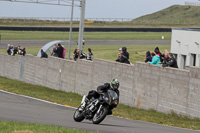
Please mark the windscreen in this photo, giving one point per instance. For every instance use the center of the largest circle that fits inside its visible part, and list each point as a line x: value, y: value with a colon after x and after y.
x: 113, y: 95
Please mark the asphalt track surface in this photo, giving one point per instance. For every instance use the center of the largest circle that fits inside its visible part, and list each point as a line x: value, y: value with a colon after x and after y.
x: 32, y: 43
x: 29, y: 110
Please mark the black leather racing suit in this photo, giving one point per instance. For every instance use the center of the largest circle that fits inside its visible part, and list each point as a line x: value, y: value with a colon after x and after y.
x: 100, y: 89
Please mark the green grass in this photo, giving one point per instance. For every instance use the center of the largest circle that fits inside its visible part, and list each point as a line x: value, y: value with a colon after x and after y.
x: 18, y: 127
x: 52, y: 95
x: 73, y: 99
x: 110, y: 52
x: 176, y: 15
x: 47, y: 35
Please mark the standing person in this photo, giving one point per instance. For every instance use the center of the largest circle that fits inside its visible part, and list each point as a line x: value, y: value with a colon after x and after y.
x: 124, y: 56
x: 63, y: 51
x: 157, y: 51
x: 23, y: 52
x: 54, y: 53
x: 119, y: 55
x: 10, y: 49
x: 83, y: 42
x: 148, y: 57
x: 15, y: 51
x: 166, y: 57
x: 60, y: 51
x: 155, y: 59
x: 19, y: 50
x: 78, y: 54
x: 90, y: 54
x: 172, y: 62
x: 43, y: 54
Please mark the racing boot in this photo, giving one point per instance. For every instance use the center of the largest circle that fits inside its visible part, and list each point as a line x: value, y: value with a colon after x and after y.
x: 83, y: 103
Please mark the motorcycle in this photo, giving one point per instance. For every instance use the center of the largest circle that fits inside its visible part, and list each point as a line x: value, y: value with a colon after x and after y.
x: 96, y: 109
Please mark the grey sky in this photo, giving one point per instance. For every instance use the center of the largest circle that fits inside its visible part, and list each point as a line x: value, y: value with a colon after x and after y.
x: 94, y: 8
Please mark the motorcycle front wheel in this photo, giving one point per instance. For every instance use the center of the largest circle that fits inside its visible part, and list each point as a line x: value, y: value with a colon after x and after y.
x: 99, y: 117
x: 78, y: 115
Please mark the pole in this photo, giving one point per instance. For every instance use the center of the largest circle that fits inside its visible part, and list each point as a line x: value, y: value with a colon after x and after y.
x: 81, y: 26
x: 70, y: 34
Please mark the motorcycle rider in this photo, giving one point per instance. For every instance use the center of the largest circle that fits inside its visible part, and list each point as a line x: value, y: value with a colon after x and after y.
x: 171, y: 62
x: 113, y: 85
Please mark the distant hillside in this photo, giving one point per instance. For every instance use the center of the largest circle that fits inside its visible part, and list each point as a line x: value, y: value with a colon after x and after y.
x: 176, y: 14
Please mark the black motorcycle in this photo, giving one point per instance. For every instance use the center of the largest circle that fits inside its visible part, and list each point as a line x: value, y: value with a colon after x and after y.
x: 96, y: 109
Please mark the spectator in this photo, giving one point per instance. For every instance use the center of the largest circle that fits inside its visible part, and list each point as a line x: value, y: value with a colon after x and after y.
x: 148, y: 57
x: 59, y: 51
x: 23, y: 52
x: 43, y: 54
x: 83, y: 42
x: 75, y: 51
x: 10, y: 49
x: 157, y: 51
x: 15, y: 51
x: 124, y: 58
x: 165, y: 58
x: 54, y: 53
x: 63, y: 51
x: 119, y: 55
x: 19, y: 50
x: 172, y: 62
x: 90, y: 54
x: 155, y: 59
x: 82, y: 55
x: 78, y: 54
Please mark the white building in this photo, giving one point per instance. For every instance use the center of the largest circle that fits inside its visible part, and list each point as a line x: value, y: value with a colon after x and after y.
x: 185, y: 46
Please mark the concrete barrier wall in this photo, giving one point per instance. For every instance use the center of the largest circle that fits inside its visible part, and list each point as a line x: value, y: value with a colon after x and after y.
x: 2, y: 64
x: 141, y: 85
x: 10, y: 66
x: 193, y: 107
x: 68, y: 76
x: 104, y: 71
x: 162, y: 89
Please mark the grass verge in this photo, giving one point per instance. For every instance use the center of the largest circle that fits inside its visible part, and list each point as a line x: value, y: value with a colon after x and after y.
x: 18, y: 127
x: 52, y: 35
x: 73, y: 99
x: 110, y: 52
x: 152, y: 20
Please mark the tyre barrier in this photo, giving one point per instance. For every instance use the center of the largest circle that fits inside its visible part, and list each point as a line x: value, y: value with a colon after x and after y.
x: 87, y: 29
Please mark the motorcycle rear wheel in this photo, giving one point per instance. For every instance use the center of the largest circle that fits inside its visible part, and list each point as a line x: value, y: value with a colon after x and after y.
x: 78, y: 116
x: 98, y: 118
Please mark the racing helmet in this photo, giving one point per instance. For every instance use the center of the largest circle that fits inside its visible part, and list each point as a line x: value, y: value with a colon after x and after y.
x: 114, y: 84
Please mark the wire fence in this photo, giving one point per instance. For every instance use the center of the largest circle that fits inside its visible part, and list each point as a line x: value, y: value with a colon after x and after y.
x: 66, y: 19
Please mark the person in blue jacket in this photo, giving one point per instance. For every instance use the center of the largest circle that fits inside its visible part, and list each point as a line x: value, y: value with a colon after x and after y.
x: 155, y: 59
